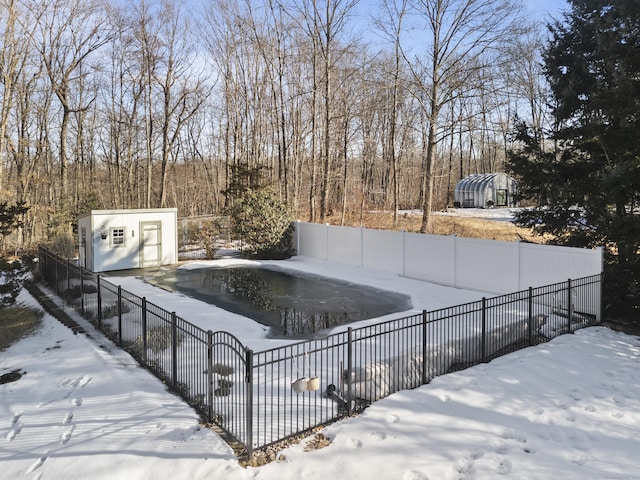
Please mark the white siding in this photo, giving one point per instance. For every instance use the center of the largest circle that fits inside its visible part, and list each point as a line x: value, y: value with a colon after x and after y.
x: 115, y: 242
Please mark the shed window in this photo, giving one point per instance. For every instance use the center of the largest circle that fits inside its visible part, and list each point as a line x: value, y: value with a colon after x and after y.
x: 117, y: 236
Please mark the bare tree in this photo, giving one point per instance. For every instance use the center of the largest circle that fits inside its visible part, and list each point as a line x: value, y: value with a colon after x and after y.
x: 459, y: 34
x: 323, y: 22
x: 70, y: 31
x: 390, y: 23
x: 12, y: 54
x: 181, y: 91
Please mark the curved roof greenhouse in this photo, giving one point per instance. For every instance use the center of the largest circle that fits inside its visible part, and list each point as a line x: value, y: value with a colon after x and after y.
x: 486, y: 190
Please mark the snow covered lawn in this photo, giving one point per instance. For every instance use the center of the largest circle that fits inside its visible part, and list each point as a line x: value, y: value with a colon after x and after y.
x: 567, y: 409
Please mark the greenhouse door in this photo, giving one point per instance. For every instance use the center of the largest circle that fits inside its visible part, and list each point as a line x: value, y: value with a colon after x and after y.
x: 501, y: 198
x: 150, y: 244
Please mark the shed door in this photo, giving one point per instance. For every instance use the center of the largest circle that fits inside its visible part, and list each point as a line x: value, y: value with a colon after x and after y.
x: 150, y: 244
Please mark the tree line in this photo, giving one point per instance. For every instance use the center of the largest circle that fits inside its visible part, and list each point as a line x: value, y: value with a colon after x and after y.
x: 342, y: 106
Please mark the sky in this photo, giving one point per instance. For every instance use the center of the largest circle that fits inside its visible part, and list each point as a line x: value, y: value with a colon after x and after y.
x: 568, y: 409
x: 544, y: 9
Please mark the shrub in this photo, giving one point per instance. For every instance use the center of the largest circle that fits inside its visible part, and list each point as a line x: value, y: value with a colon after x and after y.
x: 13, y: 273
x: 207, y: 234
x: 159, y: 339
x: 76, y: 290
x: 265, y: 222
x: 109, y: 311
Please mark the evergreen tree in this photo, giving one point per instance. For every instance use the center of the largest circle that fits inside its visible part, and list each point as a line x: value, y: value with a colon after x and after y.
x: 11, y: 218
x: 265, y: 222
x: 13, y: 272
x: 588, y: 186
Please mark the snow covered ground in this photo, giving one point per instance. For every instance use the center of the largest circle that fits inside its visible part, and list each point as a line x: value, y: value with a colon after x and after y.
x: 567, y: 409
x: 497, y: 214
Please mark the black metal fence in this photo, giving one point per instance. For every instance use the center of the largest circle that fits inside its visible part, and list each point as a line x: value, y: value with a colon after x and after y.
x: 261, y: 398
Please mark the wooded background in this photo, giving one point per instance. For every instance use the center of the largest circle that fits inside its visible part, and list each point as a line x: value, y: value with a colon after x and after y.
x: 345, y: 106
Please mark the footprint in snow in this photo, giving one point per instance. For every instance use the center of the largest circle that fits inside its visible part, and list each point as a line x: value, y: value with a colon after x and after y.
x: 504, y: 467
x: 590, y: 408
x: 378, y: 435
x: 15, y: 419
x: 67, y: 418
x: 576, y: 396
x: 392, y: 419
x: 64, y: 382
x: 13, y: 433
x: 465, y: 469
x: 475, y: 454
x: 75, y: 382
x: 414, y: 475
x: 509, y: 434
x: 617, y: 401
x: 37, y: 464
x: 84, y: 381
x: 354, y: 443
x: 77, y: 401
x: 66, y: 436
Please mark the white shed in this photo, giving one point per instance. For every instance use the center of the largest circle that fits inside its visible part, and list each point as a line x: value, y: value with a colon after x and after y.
x: 125, y: 239
x: 486, y: 190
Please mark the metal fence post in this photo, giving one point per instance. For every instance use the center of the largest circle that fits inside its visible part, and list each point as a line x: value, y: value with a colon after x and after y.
x: 55, y: 261
x: 569, y: 306
x: 601, y: 294
x: 99, y: 302
x: 424, y: 347
x: 42, y: 263
x: 210, y: 375
x: 144, y: 329
x: 484, y: 329
x: 174, y: 350
x: 81, y: 292
x: 530, y: 301
x: 119, y: 314
x: 249, y: 400
x: 67, y: 266
x: 350, y: 370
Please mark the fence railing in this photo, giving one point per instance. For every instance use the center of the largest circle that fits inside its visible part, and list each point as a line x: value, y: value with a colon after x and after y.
x: 261, y: 398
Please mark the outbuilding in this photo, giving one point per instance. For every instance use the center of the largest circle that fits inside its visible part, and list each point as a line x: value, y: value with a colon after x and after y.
x: 486, y: 190
x: 125, y: 239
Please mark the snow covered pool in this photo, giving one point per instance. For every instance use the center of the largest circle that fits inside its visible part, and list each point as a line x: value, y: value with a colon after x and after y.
x: 291, y: 303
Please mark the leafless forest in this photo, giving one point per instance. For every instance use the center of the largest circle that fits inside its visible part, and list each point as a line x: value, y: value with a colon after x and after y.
x: 346, y: 106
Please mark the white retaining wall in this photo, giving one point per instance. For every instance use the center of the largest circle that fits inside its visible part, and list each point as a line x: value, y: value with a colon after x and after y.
x: 488, y: 265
